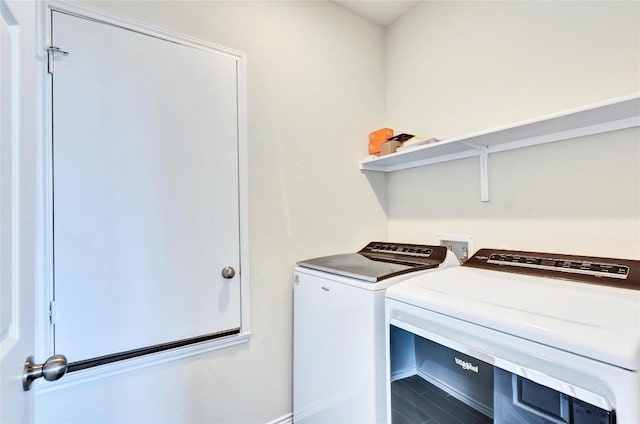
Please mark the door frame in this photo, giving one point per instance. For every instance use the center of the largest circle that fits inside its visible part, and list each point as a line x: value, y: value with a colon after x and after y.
x: 44, y: 334
x: 18, y: 267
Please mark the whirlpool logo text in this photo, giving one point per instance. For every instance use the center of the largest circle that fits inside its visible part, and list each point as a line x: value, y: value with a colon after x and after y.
x: 467, y: 366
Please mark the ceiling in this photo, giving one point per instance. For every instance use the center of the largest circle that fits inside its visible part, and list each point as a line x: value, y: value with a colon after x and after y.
x: 381, y: 12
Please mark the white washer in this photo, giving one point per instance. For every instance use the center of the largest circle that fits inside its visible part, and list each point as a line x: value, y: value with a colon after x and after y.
x: 338, y: 337
x: 516, y: 337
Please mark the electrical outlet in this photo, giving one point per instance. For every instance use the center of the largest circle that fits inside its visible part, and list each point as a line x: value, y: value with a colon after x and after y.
x: 460, y: 244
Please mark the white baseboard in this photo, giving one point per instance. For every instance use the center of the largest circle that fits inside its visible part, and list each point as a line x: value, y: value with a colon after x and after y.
x: 285, y: 419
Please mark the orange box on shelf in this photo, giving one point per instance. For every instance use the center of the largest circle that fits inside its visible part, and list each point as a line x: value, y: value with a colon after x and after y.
x: 378, y: 137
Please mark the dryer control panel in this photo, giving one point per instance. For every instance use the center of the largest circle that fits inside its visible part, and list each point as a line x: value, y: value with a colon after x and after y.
x: 615, y: 272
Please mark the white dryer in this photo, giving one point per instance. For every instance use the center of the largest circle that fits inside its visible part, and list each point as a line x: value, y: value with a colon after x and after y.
x: 339, y: 328
x: 516, y: 337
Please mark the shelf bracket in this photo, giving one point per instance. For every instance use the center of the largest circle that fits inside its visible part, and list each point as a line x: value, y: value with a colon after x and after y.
x: 483, y: 155
x: 484, y: 174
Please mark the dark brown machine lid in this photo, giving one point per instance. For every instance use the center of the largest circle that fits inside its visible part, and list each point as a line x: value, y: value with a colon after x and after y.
x: 378, y: 261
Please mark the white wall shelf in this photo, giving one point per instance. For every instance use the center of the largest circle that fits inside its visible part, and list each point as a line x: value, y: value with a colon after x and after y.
x: 611, y: 115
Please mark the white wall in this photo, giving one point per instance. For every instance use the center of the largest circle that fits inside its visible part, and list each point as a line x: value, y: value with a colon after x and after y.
x: 315, y: 90
x: 459, y: 67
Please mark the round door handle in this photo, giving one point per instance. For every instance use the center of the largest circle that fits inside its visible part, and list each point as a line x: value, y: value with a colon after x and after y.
x: 52, y: 369
x: 228, y: 272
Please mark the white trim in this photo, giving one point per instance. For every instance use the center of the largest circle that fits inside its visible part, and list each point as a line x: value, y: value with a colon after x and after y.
x: 43, y: 205
x: 89, y: 12
x: 16, y: 217
x: 44, y: 260
x: 13, y: 334
x: 285, y: 419
x: 243, y: 187
x: 404, y: 373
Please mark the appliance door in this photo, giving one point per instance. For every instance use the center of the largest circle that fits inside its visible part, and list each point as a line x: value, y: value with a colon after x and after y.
x: 338, y: 351
x: 435, y: 380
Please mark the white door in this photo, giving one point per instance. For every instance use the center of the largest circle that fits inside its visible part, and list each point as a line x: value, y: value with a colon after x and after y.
x: 17, y: 140
x: 145, y: 190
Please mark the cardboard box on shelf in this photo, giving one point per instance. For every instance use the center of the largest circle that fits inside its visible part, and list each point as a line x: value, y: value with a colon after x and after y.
x: 389, y: 147
x: 378, y: 137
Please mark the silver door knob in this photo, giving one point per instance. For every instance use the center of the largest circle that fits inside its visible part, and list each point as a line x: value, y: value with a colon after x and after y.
x: 228, y: 272
x: 52, y: 369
